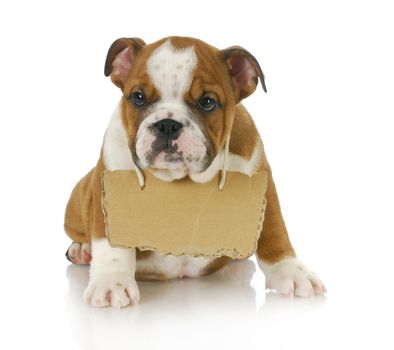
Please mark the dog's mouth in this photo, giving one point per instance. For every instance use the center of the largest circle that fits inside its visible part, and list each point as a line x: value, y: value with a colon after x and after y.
x: 165, y: 157
x: 166, y: 144
x: 182, y: 148
x: 170, y: 158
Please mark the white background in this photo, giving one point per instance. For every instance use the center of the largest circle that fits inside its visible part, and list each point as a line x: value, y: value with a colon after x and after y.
x: 327, y: 126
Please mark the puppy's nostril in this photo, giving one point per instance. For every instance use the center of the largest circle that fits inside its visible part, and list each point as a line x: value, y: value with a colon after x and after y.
x: 168, y: 127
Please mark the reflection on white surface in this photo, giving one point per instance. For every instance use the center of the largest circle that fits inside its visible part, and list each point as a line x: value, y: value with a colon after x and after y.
x: 222, y: 307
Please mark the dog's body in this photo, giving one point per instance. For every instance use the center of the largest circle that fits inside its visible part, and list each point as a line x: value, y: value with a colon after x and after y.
x: 181, y: 101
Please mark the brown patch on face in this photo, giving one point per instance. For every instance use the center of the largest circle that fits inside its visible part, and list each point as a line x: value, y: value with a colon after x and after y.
x: 138, y: 80
x: 210, y: 78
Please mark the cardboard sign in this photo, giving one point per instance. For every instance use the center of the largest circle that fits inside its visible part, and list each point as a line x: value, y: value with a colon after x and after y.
x: 183, y: 217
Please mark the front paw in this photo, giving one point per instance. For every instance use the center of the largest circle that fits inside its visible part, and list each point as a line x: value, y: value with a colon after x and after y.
x: 112, y: 289
x: 290, y: 277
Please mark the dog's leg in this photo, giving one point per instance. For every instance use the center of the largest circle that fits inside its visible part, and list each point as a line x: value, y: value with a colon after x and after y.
x: 112, y: 281
x: 112, y: 270
x: 283, y: 271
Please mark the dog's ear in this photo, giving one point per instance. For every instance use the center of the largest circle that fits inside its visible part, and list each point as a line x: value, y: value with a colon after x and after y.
x: 120, y: 59
x: 244, y: 71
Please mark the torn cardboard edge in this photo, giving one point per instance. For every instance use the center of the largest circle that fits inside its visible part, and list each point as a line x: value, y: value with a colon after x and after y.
x: 183, y: 217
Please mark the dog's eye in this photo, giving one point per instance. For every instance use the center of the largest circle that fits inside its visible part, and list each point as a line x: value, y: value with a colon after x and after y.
x: 138, y: 99
x: 207, y: 104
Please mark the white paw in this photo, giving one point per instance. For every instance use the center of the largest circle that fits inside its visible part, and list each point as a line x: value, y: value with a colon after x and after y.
x: 290, y: 277
x: 112, y: 289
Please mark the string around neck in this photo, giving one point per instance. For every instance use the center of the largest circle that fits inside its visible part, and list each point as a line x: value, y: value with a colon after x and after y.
x: 140, y: 176
x: 225, y: 164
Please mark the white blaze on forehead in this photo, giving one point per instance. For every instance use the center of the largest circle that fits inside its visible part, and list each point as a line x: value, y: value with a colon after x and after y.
x: 171, y: 70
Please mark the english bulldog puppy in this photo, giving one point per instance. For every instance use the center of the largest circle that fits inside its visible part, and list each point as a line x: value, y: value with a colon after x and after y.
x: 181, y: 99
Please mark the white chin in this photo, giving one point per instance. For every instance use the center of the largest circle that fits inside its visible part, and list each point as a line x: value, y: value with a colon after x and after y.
x: 174, y: 165
x: 170, y: 174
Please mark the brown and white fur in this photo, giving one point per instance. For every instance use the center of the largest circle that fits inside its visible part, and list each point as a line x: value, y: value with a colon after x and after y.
x: 174, y: 74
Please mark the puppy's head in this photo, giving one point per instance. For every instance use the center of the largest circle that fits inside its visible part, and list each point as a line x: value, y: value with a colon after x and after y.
x: 179, y: 97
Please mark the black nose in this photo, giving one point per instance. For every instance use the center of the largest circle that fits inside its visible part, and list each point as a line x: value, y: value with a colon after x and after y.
x: 167, y: 127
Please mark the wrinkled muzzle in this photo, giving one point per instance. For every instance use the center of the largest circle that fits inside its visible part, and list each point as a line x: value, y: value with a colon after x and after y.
x: 171, y: 139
